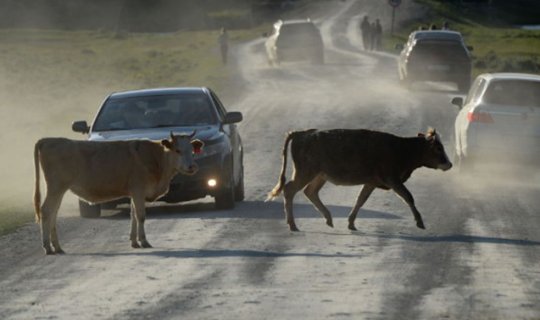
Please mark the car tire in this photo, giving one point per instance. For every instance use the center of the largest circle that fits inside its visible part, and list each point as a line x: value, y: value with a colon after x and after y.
x: 239, y: 192
x: 87, y: 210
x: 225, y: 199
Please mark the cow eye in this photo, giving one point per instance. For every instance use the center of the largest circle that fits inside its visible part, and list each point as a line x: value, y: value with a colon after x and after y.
x: 178, y: 151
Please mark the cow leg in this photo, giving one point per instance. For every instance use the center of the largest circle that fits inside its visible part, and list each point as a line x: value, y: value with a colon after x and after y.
x: 140, y: 213
x: 133, y: 232
x: 406, y: 195
x: 290, y: 189
x: 312, y: 193
x: 49, y: 211
x: 362, y: 198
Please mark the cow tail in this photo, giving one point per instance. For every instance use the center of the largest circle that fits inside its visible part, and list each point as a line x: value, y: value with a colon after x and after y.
x: 37, y: 193
x: 279, y: 186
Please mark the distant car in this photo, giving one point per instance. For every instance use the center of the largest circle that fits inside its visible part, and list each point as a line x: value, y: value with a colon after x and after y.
x: 435, y: 55
x: 293, y: 40
x: 155, y: 113
x: 499, y: 120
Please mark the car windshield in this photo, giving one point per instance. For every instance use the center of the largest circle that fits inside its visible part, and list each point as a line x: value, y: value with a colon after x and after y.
x: 523, y: 93
x: 155, y: 112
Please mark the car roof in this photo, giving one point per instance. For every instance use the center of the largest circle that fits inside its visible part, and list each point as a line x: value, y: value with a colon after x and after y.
x: 437, y: 35
x: 510, y: 76
x: 158, y: 92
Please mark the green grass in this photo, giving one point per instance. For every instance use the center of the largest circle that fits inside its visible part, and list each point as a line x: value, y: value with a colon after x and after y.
x: 498, y: 46
x: 50, y: 78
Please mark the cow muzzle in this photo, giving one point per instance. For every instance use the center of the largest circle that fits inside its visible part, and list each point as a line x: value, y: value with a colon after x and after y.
x: 446, y: 166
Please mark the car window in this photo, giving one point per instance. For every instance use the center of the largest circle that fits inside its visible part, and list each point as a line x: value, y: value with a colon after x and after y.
x: 524, y: 93
x: 441, y: 49
x: 155, y: 111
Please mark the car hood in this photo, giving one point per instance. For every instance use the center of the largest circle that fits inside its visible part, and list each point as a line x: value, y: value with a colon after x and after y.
x: 205, y: 133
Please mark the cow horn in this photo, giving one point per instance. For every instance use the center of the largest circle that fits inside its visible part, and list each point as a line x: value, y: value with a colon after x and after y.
x: 193, y: 134
x: 172, y: 135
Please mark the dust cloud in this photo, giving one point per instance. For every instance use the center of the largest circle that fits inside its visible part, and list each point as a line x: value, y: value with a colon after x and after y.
x: 32, y: 109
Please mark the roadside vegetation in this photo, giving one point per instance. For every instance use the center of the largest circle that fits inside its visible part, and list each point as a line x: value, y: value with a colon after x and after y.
x: 500, y: 45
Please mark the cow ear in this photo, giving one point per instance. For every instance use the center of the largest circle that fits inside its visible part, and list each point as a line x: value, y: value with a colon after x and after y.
x: 166, y: 143
x: 197, y: 146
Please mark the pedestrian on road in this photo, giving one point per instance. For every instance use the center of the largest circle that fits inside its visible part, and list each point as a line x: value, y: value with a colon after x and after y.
x: 377, y: 36
x: 223, y: 41
x: 365, y: 27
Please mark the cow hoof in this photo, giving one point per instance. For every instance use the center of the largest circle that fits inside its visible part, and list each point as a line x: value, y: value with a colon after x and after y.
x: 293, y: 228
x: 420, y: 224
x: 59, y: 251
x: 330, y: 223
x: 135, y: 245
x: 145, y: 244
x: 48, y: 250
x: 352, y: 227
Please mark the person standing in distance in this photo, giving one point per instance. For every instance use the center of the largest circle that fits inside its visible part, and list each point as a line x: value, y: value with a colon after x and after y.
x: 223, y: 41
x: 365, y: 28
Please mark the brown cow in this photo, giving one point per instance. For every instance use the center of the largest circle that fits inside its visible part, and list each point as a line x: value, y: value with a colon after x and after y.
x: 354, y: 157
x: 104, y: 171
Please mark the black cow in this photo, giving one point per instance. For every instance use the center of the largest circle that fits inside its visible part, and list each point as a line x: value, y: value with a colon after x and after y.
x: 352, y: 157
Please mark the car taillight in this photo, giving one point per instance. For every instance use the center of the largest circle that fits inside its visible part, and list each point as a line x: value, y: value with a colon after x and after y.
x: 482, y: 117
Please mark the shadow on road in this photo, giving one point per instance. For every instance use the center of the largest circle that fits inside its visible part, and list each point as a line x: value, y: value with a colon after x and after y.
x: 456, y: 238
x: 247, y: 209
x: 222, y: 253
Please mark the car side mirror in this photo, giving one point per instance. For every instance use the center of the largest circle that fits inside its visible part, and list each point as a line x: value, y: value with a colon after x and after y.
x: 458, y: 101
x: 398, y: 46
x: 80, y: 126
x: 470, y: 48
x: 233, y: 117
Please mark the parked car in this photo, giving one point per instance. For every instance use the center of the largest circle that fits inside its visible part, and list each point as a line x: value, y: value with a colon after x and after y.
x: 435, y: 55
x: 499, y: 120
x: 294, y: 40
x: 155, y: 113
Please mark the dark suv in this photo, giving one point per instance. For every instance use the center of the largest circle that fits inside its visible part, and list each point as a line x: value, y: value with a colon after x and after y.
x: 294, y: 40
x: 435, y: 55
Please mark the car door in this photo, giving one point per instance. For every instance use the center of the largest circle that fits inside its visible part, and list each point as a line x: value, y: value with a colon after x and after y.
x: 232, y: 133
x: 462, y: 123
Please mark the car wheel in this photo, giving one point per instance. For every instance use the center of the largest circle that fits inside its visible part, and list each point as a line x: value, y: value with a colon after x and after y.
x: 225, y: 199
x: 239, y: 188
x: 87, y: 210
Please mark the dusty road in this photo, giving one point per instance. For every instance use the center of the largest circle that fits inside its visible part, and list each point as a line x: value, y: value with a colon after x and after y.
x: 478, y: 258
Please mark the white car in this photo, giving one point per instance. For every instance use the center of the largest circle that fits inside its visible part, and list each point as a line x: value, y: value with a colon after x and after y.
x: 499, y: 120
